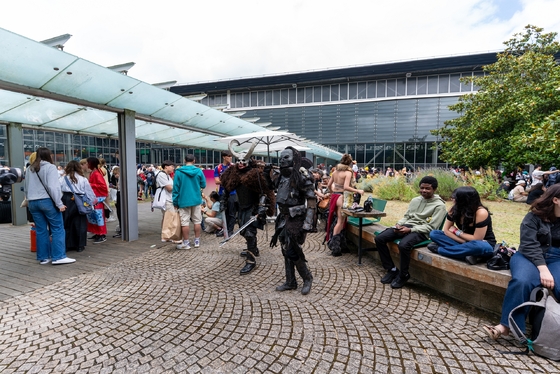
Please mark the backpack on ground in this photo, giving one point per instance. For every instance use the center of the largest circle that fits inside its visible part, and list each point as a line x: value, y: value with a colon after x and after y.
x: 545, y: 321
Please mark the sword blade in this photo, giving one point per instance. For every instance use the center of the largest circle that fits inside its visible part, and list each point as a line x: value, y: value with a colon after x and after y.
x: 224, y: 241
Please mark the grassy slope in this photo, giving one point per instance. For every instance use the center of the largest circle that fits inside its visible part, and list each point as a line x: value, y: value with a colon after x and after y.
x: 506, y: 217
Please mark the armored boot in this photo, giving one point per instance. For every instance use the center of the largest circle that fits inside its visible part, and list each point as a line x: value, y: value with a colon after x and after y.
x: 334, y: 245
x: 291, y: 283
x: 250, y: 262
x: 305, y: 274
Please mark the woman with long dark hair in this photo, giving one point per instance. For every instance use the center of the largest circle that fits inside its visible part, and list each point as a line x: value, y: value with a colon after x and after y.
x: 75, y: 224
x: 100, y: 189
x: 42, y: 190
x: 537, y: 260
x: 467, y: 233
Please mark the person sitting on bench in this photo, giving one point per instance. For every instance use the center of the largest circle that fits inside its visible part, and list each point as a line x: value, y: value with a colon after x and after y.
x: 424, y: 214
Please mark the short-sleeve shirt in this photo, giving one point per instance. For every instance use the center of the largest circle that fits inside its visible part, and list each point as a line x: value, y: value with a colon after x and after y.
x: 162, y: 180
x: 218, y: 171
x: 216, y: 208
x: 537, y: 177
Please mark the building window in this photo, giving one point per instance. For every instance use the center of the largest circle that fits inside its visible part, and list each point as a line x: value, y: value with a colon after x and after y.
x: 443, y: 84
x: 334, y: 92
x: 344, y: 91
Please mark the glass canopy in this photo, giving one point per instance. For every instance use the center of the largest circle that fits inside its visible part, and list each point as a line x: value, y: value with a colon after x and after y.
x: 43, y: 87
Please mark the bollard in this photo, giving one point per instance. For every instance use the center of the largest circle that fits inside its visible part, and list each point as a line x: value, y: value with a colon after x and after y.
x: 33, y: 239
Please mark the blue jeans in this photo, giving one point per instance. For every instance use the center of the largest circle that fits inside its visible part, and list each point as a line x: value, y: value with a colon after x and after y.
x: 524, y: 278
x: 46, y: 215
x: 450, y: 248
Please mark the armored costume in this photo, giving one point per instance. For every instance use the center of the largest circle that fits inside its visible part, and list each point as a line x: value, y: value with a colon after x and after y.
x: 296, y: 216
x: 254, y: 196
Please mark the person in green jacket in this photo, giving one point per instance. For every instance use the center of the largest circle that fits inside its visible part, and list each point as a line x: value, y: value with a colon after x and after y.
x: 424, y: 214
x: 187, y: 197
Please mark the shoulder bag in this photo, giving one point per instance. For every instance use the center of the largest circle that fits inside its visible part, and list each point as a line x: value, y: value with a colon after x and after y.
x: 81, y: 200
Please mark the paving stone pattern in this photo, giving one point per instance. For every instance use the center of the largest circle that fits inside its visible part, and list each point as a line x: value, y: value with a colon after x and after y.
x: 163, y: 310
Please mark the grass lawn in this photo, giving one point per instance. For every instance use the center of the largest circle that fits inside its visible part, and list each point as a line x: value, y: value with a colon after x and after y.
x: 506, y: 217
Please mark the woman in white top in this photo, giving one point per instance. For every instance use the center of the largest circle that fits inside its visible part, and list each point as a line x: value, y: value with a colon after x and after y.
x: 75, y: 223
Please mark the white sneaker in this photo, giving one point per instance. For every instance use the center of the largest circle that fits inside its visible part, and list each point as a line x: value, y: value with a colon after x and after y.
x: 64, y: 260
x: 196, y: 243
x: 185, y: 245
x: 46, y: 261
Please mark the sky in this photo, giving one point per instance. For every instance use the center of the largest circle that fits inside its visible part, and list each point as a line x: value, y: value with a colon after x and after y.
x: 198, y: 41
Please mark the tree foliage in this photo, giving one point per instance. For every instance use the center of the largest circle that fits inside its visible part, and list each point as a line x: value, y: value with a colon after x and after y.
x: 514, y: 118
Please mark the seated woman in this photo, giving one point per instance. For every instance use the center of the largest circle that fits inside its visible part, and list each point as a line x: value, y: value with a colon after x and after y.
x: 341, y: 180
x: 537, y: 260
x: 213, y: 221
x: 475, y: 237
x: 536, y: 192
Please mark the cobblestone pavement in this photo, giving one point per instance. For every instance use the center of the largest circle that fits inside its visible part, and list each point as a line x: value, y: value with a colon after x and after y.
x: 189, y: 311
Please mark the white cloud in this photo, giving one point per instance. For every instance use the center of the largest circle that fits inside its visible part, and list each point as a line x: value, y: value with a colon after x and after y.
x: 192, y: 41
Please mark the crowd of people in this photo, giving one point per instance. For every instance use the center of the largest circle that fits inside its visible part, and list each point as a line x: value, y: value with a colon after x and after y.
x: 248, y: 191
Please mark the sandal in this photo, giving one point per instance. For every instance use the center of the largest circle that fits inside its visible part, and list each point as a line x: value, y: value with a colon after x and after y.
x: 493, y: 332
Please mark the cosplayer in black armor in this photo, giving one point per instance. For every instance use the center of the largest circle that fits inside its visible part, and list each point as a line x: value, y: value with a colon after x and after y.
x: 295, y: 188
x: 254, y: 196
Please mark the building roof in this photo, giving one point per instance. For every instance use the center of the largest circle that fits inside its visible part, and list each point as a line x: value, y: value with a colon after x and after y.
x: 390, y: 70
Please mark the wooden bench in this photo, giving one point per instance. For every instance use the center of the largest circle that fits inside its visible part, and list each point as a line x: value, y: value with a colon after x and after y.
x: 475, y: 285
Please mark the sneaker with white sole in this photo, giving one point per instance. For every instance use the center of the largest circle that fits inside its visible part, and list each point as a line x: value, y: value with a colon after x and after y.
x: 185, y: 245
x: 63, y: 261
x: 196, y: 243
x: 45, y: 261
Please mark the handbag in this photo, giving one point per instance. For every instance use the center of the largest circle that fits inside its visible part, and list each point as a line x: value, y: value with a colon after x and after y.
x: 82, y: 201
x: 159, y: 199
x: 501, y: 257
x: 171, y: 227
x: 324, y: 204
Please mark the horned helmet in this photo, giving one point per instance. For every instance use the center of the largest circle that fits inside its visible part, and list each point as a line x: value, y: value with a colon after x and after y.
x: 242, y: 158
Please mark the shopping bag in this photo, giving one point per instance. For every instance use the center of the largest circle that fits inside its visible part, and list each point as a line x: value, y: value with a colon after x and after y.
x: 171, y: 228
x: 96, y: 217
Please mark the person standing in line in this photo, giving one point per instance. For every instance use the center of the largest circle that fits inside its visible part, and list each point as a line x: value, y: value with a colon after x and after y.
x: 75, y: 224
x: 230, y: 211
x: 186, y: 196
x: 164, y: 180
x: 42, y: 190
x: 100, y: 189
x: 115, y: 182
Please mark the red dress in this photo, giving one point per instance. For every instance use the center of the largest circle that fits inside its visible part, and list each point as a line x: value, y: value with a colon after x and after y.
x: 100, y: 189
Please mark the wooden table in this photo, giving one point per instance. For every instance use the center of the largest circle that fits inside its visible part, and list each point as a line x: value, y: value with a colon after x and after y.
x: 361, y: 215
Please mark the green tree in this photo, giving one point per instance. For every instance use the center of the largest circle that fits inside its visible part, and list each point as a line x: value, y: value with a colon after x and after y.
x: 514, y: 118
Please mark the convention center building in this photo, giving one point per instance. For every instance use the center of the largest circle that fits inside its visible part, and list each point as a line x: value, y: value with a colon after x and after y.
x: 381, y: 114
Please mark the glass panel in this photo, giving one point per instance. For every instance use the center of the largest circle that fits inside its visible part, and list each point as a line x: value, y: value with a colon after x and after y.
x: 353, y: 91
x: 334, y: 92
x: 406, y: 120
x: 477, y: 74
x: 443, y: 83
x: 308, y: 94
x: 284, y: 97
x: 317, y: 94
x: 300, y: 96
x: 422, y: 85
x: 344, y: 91
x: 293, y: 94
x: 454, y: 84
x: 466, y: 87
x: 391, y: 87
x: 261, y: 98
x: 385, y: 120
x: 381, y: 86
x: 371, y: 90
x: 254, y: 98
x: 326, y: 91
x: 246, y: 99
x: 433, y: 84
x: 411, y: 86
x: 268, y: 98
x: 401, y: 87
x: 362, y: 88
x: 276, y: 97
x: 238, y: 100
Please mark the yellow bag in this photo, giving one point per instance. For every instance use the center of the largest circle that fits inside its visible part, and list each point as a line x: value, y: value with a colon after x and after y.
x: 171, y: 228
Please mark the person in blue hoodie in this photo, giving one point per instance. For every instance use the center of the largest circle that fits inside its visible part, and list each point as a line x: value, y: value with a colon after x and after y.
x: 187, y: 197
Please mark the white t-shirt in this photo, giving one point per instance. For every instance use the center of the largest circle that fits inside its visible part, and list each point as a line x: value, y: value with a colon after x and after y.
x: 162, y: 180
x: 537, y: 177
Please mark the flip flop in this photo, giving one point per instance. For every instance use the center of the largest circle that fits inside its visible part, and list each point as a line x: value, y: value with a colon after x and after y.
x: 493, y: 333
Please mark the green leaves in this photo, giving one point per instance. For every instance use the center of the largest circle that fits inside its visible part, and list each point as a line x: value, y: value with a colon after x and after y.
x: 514, y: 119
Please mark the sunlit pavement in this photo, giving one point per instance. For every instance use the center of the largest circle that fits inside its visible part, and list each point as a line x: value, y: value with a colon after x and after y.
x: 146, y: 307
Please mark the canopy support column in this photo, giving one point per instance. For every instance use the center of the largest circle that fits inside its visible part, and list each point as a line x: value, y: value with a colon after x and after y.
x: 129, y: 194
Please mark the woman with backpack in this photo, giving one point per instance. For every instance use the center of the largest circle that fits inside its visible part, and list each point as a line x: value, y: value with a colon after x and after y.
x: 537, y: 261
